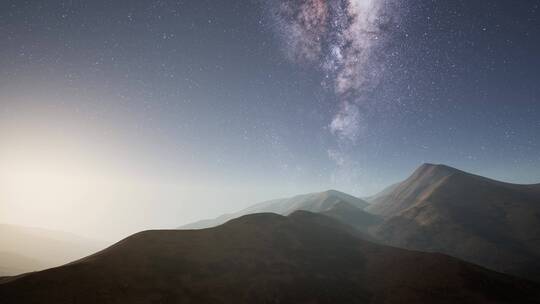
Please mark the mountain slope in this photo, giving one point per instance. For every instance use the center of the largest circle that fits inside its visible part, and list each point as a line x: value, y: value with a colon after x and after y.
x: 265, y: 258
x: 314, y: 202
x: 31, y: 249
x: 487, y: 222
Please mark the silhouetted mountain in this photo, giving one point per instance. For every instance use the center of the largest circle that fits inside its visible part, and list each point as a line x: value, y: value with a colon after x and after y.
x: 265, y: 258
x: 31, y: 249
x: 314, y: 202
x: 483, y: 221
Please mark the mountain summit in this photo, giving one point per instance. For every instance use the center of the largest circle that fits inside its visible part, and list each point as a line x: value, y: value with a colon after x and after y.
x: 403, y: 195
x: 480, y: 220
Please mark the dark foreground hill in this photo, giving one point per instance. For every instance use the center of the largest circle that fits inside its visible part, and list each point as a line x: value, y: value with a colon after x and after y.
x: 483, y: 221
x: 265, y: 258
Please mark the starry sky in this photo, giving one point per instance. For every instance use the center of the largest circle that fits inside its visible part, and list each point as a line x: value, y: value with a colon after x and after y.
x: 142, y: 114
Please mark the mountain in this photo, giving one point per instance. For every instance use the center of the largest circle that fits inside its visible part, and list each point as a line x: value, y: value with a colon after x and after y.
x: 479, y: 220
x: 314, y: 202
x: 265, y: 258
x: 24, y: 249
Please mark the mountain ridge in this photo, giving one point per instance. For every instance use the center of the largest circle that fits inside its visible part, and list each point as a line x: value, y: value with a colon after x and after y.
x: 315, y: 202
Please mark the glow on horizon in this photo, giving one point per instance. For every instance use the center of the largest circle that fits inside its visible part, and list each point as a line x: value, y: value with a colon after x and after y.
x: 57, y: 180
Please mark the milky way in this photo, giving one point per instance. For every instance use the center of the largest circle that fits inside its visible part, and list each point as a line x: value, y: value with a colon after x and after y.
x: 344, y: 39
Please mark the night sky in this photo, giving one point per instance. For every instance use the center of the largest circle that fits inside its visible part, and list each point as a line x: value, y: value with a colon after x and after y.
x: 176, y: 110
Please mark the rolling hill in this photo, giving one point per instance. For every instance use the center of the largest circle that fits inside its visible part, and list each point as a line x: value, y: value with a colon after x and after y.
x: 265, y: 258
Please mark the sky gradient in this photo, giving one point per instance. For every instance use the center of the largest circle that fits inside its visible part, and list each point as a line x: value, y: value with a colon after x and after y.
x: 117, y: 116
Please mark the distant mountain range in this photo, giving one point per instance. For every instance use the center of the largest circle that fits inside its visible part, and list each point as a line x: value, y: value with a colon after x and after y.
x: 265, y: 258
x: 24, y: 249
x: 314, y: 202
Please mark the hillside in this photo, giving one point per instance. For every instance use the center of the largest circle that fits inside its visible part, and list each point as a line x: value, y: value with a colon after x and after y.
x: 265, y: 258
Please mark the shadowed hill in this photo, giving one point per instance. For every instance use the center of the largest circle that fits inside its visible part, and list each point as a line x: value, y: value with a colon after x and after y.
x: 314, y: 202
x: 487, y: 222
x: 265, y: 258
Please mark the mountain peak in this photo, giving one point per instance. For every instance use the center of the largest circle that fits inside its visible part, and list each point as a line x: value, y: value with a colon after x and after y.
x: 407, y: 193
x: 462, y: 214
x: 335, y: 193
x: 332, y: 192
x: 436, y: 168
x: 434, y: 171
